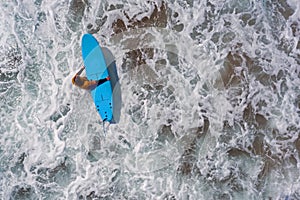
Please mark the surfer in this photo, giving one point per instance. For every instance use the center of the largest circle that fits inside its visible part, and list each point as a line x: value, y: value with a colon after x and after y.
x: 84, y: 83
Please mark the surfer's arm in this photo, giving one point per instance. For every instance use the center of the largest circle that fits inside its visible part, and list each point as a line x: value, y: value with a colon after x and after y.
x: 77, y: 74
x: 80, y: 71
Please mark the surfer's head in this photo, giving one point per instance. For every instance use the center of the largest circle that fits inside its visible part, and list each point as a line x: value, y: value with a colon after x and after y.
x: 77, y: 80
x: 74, y: 79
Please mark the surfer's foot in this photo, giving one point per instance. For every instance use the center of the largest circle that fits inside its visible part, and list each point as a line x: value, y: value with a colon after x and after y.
x: 108, y: 78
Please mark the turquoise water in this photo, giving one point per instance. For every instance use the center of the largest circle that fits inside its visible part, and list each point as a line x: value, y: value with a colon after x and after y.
x: 210, y: 100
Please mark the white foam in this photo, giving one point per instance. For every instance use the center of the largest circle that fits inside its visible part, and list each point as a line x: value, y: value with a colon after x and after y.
x: 57, y: 128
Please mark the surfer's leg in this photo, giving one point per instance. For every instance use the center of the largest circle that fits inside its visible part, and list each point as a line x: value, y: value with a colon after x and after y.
x: 103, y: 80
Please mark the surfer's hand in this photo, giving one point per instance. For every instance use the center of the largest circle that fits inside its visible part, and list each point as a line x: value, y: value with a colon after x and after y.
x: 83, y: 67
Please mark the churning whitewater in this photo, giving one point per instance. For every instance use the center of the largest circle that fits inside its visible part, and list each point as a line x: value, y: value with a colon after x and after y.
x: 209, y: 107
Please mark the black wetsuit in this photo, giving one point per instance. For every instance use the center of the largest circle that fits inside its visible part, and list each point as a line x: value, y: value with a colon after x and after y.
x: 101, y: 81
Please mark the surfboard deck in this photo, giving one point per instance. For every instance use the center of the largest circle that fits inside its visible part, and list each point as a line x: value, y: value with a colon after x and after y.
x: 96, y: 69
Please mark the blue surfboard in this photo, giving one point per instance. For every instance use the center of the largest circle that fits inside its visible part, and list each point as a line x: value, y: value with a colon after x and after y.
x: 96, y: 69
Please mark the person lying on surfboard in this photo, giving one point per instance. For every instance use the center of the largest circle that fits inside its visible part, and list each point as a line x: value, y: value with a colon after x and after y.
x: 84, y: 83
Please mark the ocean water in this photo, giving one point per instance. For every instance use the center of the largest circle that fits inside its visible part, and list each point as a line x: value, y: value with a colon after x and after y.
x: 210, y: 100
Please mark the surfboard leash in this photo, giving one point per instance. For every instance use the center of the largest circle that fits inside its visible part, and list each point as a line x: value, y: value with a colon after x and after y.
x: 103, y: 126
